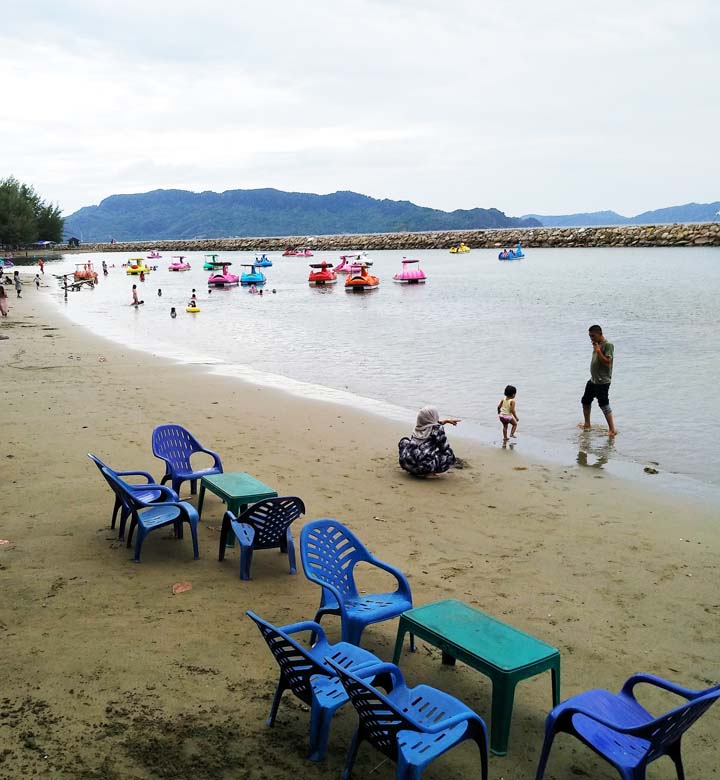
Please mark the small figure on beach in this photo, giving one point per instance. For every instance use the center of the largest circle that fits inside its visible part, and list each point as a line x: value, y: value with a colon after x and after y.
x: 41, y: 264
x: 173, y: 313
x: 159, y: 293
x: 37, y: 281
x: 507, y: 414
x: 142, y: 276
x: 18, y: 284
x: 3, y: 302
x: 104, y: 267
x: 135, y: 300
x: 598, y: 386
x: 427, y: 453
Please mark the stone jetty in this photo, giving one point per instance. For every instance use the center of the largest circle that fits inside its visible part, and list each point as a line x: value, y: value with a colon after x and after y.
x: 703, y: 234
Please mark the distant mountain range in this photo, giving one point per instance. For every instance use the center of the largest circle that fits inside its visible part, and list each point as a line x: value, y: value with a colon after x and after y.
x: 168, y: 214
x: 690, y: 212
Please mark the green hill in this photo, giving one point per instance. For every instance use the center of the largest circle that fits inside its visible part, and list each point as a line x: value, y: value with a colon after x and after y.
x: 168, y: 214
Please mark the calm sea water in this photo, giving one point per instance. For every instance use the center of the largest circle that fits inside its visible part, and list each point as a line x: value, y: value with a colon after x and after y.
x: 477, y: 325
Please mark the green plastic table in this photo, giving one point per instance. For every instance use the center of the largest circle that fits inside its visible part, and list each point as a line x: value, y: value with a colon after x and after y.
x: 237, y: 489
x: 501, y: 652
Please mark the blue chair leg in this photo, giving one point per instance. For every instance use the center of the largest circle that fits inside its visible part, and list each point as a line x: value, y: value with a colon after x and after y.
x: 193, y: 533
x: 117, y: 506
x: 291, y: 556
x: 352, y: 632
x: 351, y: 756
x: 141, y: 533
x: 276, y: 702
x: 545, y: 752
x: 246, y: 554
x: 193, y: 487
x: 320, y: 720
x: 674, y: 754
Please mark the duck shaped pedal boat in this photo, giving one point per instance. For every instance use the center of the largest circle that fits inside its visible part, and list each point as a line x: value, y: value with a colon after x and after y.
x: 359, y: 280
x: 512, y: 254
x: 192, y: 309
x: 346, y: 261
x: 253, y: 276
x: 136, y: 265
x: 223, y: 279
x: 179, y: 264
x: 297, y: 253
x: 461, y: 247
x: 213, y: 264
x: 321, y: 274
x: 411, y: 273
x: 154, y: 255
x: 263, y: 262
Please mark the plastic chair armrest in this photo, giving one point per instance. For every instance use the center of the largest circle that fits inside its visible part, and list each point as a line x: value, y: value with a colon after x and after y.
x: 244, y: 531
x: 403, y: 584
x: 305, y: 625
x: 658, y: 682
x: 165, y: 490
x: 453, y: 720
x: 324, y: 584
x: 214, y: 455
x: 568, y: 712
x: 145, y: 474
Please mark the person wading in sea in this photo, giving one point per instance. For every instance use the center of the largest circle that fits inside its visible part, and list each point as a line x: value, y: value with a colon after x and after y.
x: 601, y: 365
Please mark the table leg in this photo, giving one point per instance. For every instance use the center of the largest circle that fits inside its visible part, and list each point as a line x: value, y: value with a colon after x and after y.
x: 201, y: 498
x: 447, y: 659
x: 399, y: 642
x: 503, y: 697
x: 556, y: 682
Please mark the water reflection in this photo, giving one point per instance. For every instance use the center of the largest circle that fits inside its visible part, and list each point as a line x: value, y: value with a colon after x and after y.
x: 594, y: 452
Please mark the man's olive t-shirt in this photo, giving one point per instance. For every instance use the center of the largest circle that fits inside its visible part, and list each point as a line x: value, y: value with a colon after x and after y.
x: 601, y: 374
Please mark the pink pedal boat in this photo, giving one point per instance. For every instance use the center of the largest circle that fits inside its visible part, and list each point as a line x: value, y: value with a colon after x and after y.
x: 179, y: 264
x: 346, y: 263
x: 225, y: 279
x: 154, y: 255
x: 410, y: 274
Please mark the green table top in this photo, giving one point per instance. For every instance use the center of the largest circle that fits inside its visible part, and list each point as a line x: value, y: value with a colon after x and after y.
x: 488, y: 639
x: 236, y: 485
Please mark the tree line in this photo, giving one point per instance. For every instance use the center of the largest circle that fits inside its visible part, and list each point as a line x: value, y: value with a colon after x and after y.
x: 25, y: 217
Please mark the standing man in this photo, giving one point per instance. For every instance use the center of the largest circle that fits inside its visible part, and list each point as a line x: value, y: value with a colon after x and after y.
x: 41, y: 263
x: 598, y: 387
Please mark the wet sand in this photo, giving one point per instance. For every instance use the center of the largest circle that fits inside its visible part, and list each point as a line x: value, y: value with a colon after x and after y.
x: 106, y: 674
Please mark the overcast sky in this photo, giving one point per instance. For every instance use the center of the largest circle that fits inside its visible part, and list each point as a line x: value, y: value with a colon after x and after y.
x: 529, y: 107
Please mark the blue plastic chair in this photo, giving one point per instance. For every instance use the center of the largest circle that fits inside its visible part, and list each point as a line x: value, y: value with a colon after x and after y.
x: 622, y: 731
x: 411, y: 726
x: 330, y: 552
x: 305, y: 672
x: 263, y: 526
x: 173, y: 444
x: 147, y: 516
x: 148, y: 491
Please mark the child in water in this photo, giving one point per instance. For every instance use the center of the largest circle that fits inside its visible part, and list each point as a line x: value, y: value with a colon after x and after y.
x: 507, y: 414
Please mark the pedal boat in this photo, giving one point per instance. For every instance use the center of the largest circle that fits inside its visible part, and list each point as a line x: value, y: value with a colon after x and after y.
x: 85, y: 272
x: 213, y: 264
x: 343, y: 267
x: 179, y: 264
x: 154, y: 255
x: 253, y: 276
x: 410, y: 273
x: 263, y: 262
x: 297, y: 253
x: 512, y: 254
x: 321, y: 275
x: 359, y: 280
x: 461, y: 247
x: 223, y: 279
x: 136, y: 265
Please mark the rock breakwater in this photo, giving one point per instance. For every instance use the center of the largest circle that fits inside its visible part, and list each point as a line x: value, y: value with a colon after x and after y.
x: 704, y: 234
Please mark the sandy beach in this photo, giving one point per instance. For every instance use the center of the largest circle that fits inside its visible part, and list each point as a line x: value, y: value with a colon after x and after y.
x: 108, y: 675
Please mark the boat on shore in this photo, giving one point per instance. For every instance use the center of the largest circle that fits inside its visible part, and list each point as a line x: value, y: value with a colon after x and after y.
x: 85, y: 272
x: 321, y: 275
x: 410, y: 273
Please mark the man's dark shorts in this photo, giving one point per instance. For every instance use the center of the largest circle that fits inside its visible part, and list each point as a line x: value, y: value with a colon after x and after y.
x: 597, y: 391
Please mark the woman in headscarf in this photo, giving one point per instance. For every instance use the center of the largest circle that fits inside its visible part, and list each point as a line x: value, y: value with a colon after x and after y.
x: 427, y: 452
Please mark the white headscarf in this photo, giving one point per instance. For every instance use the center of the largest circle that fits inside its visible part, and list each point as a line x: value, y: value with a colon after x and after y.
x: 428, y: 417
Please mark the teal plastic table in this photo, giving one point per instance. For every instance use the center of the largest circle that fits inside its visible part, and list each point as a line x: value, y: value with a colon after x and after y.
x: 497, y: 650
x: 237, y: 489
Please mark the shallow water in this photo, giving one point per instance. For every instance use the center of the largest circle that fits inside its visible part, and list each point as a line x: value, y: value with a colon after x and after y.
x: 477, y: 325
